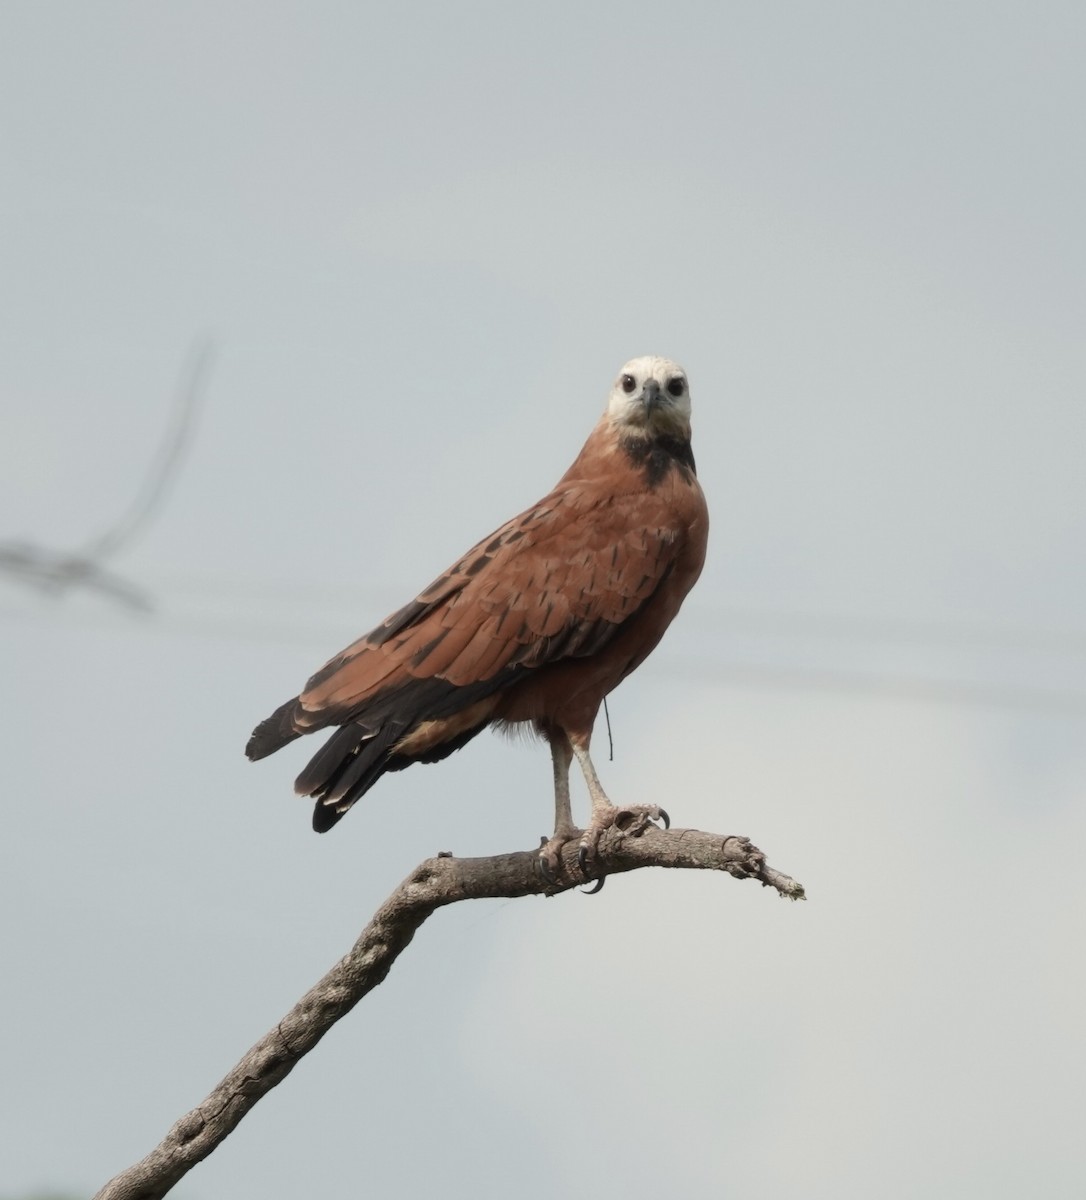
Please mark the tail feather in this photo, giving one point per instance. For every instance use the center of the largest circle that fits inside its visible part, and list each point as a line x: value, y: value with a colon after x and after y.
x: 352, y: 761
x: 346, y: 772
x: 362, y: 749
x: 273, y: 733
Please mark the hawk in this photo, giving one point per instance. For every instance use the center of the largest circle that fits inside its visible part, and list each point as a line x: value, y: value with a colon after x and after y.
x: 532, y: 627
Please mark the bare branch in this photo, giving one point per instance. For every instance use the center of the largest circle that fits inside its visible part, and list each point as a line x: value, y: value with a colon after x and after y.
x: 432, y: 885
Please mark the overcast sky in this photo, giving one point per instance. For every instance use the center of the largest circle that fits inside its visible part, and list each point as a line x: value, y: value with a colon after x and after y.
x: 422, y: 239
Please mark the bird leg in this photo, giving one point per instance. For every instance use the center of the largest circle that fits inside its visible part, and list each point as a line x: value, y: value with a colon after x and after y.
x: 550, y: 852
x: 630, y: 819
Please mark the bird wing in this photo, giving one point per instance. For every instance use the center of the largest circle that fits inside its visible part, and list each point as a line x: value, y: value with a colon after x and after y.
x: 556, y: 582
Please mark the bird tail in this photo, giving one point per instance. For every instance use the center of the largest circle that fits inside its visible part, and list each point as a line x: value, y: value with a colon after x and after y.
x: 352, y: 760
x: 424, y: 722
x: 348, y: 764
x: 344, y: 769
x: 273, y: 733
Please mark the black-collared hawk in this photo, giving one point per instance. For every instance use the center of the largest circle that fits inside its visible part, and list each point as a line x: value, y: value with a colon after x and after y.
x: 532, y: 627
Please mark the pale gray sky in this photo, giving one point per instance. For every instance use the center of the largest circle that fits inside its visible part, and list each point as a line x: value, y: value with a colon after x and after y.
x: 424, y: 238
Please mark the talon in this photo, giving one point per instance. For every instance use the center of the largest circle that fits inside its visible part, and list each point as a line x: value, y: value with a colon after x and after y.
x: 582, y: 859
x: 546, y: 870
x: 596, y: 887
x: 665, y: 818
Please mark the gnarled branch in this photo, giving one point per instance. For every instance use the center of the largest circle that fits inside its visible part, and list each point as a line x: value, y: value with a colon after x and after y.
x: 432, y: 885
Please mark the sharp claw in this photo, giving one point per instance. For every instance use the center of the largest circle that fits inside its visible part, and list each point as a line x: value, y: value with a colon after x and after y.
x: 546, y: 871
x: 596, y: 887
x: 582, y: 859
x: 665, y: 818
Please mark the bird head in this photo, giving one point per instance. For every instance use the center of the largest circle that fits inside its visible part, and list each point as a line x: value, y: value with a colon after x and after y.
x: 651, y: 398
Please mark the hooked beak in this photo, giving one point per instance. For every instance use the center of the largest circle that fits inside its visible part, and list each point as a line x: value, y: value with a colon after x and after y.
x: 650, y: 395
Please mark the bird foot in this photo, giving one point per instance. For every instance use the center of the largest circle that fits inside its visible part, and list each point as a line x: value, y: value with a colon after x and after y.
x: 550, y: 859
x: 630, y: 821
x: 550, y: 853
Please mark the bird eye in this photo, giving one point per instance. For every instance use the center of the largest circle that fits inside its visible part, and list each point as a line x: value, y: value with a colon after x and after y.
x: 628, y: 383
x: 676, y: 386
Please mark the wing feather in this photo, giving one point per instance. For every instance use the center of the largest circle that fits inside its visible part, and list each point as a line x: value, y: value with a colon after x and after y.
x: 556, y: 582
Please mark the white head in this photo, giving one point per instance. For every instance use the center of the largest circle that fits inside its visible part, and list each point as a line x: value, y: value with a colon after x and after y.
x: 651, y: 398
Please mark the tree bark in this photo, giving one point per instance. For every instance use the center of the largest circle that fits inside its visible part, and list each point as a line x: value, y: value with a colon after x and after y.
x: 432, y: 885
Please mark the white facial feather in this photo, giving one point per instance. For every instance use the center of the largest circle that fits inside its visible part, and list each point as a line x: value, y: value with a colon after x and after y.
x: 628, y: 405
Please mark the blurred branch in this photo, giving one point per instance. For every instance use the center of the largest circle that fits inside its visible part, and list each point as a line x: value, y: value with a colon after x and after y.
x: 434, y: 884
x: 57, y: 571
x: 167, y: 461
x: 54, y: 571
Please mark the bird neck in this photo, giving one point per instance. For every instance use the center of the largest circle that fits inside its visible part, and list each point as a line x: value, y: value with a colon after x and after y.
x: 657, y: 456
